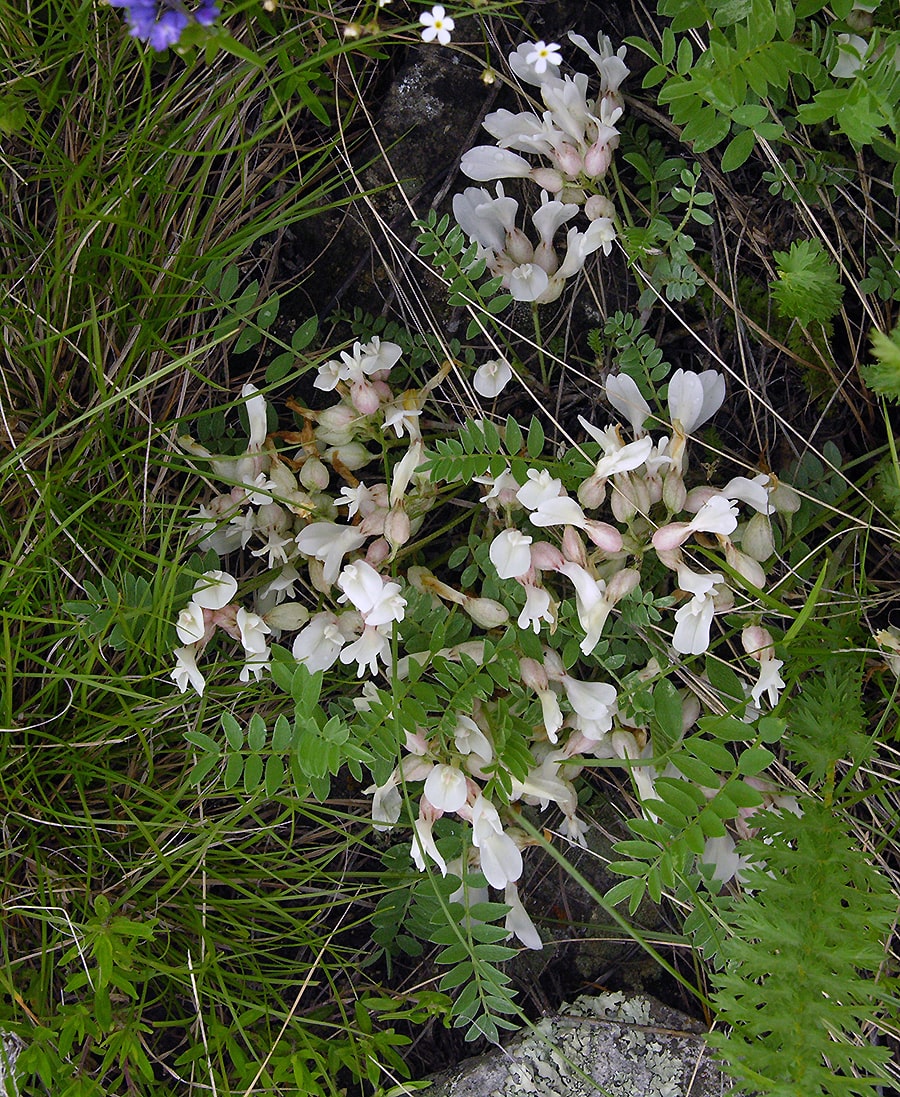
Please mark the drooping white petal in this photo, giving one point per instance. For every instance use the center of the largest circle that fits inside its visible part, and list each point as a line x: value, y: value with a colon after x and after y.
x: 694, y: 397
x: 624, y: 395
x: 510, y: 553
x: 214, y: 589
x: 446, y: 788
x: 486, y: 162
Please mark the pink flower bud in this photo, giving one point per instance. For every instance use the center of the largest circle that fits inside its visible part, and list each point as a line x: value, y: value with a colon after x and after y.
x: 569, y: 160
x: 621, y: 500
x: 592, y: 492
x: 377, y: 552
x: 674, y: 492
x: 757, y: 540
x: 573, y: 547
x: 485, y: 612
x: 546, y: 557
x: 603, y: 535
x: 396, y: 526
x: 519, y: 247
x: 314, y: 475
x: 373, y: 524
x: 548, y: 179
x: 365, y: 398
x: 598, y: 206
x: 533, y: 674
x: 744, y: 565
x: 696, y: 497
x: 672, y: 536
x: 597, y: 160
x: 757, y: 642
x: 621, y: 584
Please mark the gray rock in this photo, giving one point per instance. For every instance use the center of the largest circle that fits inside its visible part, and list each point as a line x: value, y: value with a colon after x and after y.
x: 604, y: 1046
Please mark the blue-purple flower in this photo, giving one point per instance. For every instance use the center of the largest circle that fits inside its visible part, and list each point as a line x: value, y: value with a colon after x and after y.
x: 160, y: 23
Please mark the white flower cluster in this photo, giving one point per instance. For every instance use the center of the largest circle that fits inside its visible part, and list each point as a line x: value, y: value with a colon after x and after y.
x: 316, y: 542
x: 578, y: 136
x: 645, y: 475
x: 279, y: 508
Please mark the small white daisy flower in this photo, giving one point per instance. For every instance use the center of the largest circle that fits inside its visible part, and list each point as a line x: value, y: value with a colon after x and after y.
x: 437, y: 24
x: 544, y: 54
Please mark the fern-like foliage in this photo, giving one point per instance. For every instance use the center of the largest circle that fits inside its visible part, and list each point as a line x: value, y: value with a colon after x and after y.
x: 808, y: 287
x: 481, y: 449
x: 883, y: 375
x: 798, y: 984
x: 826, y: 722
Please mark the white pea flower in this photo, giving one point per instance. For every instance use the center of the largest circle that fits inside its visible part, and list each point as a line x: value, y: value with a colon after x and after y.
x: 693, y: 620
x: 500, y: 857
x: 755, y: 492
x: 190, y: 625
x: 185, y: 672
x: 538, y: 607
x: 527, y: 282
x: 253, y: 630
x: 624, y: 395
x: 423, y: 842
x: 367, y: 650
x: 256, y: 416
x: 378, y: 601
x: 518, y: 922
x: 436, y: 24
x: 694, y: 398
x: 539, y: 487
x: 510, y: 553
x: 486, y: 162
x: 470, y: 739
x: 329, y: 542
x: 852, y: 49
x: 446, y: 788
x: 491, y: 378
x: 594, y: 702
x: 319, y: 644
x: 717, y: 515
x: 214, y: 589
x: 387, y: 803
